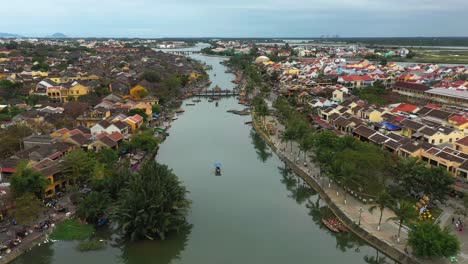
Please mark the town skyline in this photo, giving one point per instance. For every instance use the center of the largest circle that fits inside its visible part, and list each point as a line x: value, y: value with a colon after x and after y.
x: 265, y: 18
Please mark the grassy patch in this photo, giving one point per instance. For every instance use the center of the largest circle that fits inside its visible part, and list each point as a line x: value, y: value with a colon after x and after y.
x: 71, y: 229
x: 90, y: 245
x: 374, y: 95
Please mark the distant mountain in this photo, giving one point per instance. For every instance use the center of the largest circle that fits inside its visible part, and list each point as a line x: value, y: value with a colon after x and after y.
x: 9, y: 35
x: 58, y: 35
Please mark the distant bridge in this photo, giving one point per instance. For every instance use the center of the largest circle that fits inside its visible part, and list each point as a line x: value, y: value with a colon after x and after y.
x: 180, y: 52
x: 217, y: 92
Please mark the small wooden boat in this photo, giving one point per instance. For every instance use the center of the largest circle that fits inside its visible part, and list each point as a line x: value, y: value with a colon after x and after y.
x: 248, y: 122
x: 217, y: 104
x: 189, y: 104
x: 330, y: 226
x: 196, y: 100
x: 180, y: 110
x: 175, y: 117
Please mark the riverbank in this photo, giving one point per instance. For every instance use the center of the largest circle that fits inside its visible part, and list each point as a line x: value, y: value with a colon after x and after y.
x: 366, y: 230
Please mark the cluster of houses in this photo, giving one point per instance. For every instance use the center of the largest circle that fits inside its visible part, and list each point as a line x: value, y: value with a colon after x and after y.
x: 429, y: 133
x: 94, y: 129
x: 72, y: 71
x: 431, y: 83
x: 73, y: 110
x: 433, y: 128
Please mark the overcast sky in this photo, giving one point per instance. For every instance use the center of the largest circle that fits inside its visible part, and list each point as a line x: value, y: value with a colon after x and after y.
x: 235, y: 18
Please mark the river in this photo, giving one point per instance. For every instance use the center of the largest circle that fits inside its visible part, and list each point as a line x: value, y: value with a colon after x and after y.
x: 256, y: 212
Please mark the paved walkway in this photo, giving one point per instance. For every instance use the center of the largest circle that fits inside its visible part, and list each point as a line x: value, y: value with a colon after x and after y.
x: 369, y: 221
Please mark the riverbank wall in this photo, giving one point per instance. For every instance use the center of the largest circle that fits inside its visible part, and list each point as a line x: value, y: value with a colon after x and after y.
x: 394, y: 253
x: 32, y: 240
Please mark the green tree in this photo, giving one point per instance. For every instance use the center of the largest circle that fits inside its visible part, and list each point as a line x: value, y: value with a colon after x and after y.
x: 404, y: 211
x: 383, y: 200
x: 107, y: 157
x: 261, y: 109
x: 306, y: 144
x: 28, y: 208
x: 429, y: 240
x: 156, y: 109
x: 79, y: 166
x: 151, y: 76
x: 26, y: 180
x: 138, y: 111
x: 289, y: 135
x: 143, y: 141
x: 414, y: 176
x: 172, y: 82
x: 153, y: 204
x: 93, y: 206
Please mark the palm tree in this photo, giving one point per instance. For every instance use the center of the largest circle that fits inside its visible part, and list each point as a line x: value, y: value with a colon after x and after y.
x: 404, y: 211
x: 289, y: 135
x: 382, y: 201
x: 152, y: 205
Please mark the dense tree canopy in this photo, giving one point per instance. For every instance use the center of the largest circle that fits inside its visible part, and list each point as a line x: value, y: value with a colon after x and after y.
x: 27, y: 209
x: 416, y: 178
x: 152, y: 205
x: 429, y: 240
x: 26, y: 180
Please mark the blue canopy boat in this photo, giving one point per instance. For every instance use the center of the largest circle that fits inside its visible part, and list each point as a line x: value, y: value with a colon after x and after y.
x: 218, y: 168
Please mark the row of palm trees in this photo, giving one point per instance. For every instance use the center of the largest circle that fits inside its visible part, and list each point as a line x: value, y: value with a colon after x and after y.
x: 404, y: 210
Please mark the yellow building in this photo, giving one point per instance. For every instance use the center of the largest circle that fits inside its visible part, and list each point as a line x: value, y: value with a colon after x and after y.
x: 135, y: 122
x: 461, y: 145
x: 52, y: 171
x: 458, y: 122
x: 293, y: 71
x: 441, y: 135
x: 78, y: 90
x: 66, y: 79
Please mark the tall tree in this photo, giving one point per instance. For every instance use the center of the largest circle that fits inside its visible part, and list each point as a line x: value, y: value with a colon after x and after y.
x: 93, y: 206
x: 79, y: 166
x: 383, y: 200
x: 26, y: 180
x: 404, y: 212
x: 27, y: 209
x: 153, y: 204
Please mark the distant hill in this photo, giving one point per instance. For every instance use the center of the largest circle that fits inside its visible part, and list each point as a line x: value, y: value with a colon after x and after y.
x: 58, y: 35
x: 9, y: 35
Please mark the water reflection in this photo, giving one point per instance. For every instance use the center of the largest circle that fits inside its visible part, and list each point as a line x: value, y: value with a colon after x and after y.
x: 47, y: 253
x: 318, y: 210
x: 377, y: 259
x: 262, y: 149
x: 155, y: 252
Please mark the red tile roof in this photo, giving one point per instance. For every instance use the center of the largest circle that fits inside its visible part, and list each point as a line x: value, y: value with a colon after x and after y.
x: 411, y: 86
x: 355, y: 78
x: 463, y: 141
x: 433, y: 106
x: 407, y: 108
x: 459, y: 120
x: 116, y: 136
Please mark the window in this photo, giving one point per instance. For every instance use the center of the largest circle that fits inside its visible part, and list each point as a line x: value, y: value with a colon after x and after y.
x: 433, y: 141
x: 440, y: 140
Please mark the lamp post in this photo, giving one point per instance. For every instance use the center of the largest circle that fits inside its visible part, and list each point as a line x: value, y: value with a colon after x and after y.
x: 360, y: 213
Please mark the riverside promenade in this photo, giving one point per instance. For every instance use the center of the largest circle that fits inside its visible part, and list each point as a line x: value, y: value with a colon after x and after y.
x: 353, y: 213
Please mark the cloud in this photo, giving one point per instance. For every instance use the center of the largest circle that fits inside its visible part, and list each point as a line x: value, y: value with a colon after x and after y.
x: 237, y: 18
